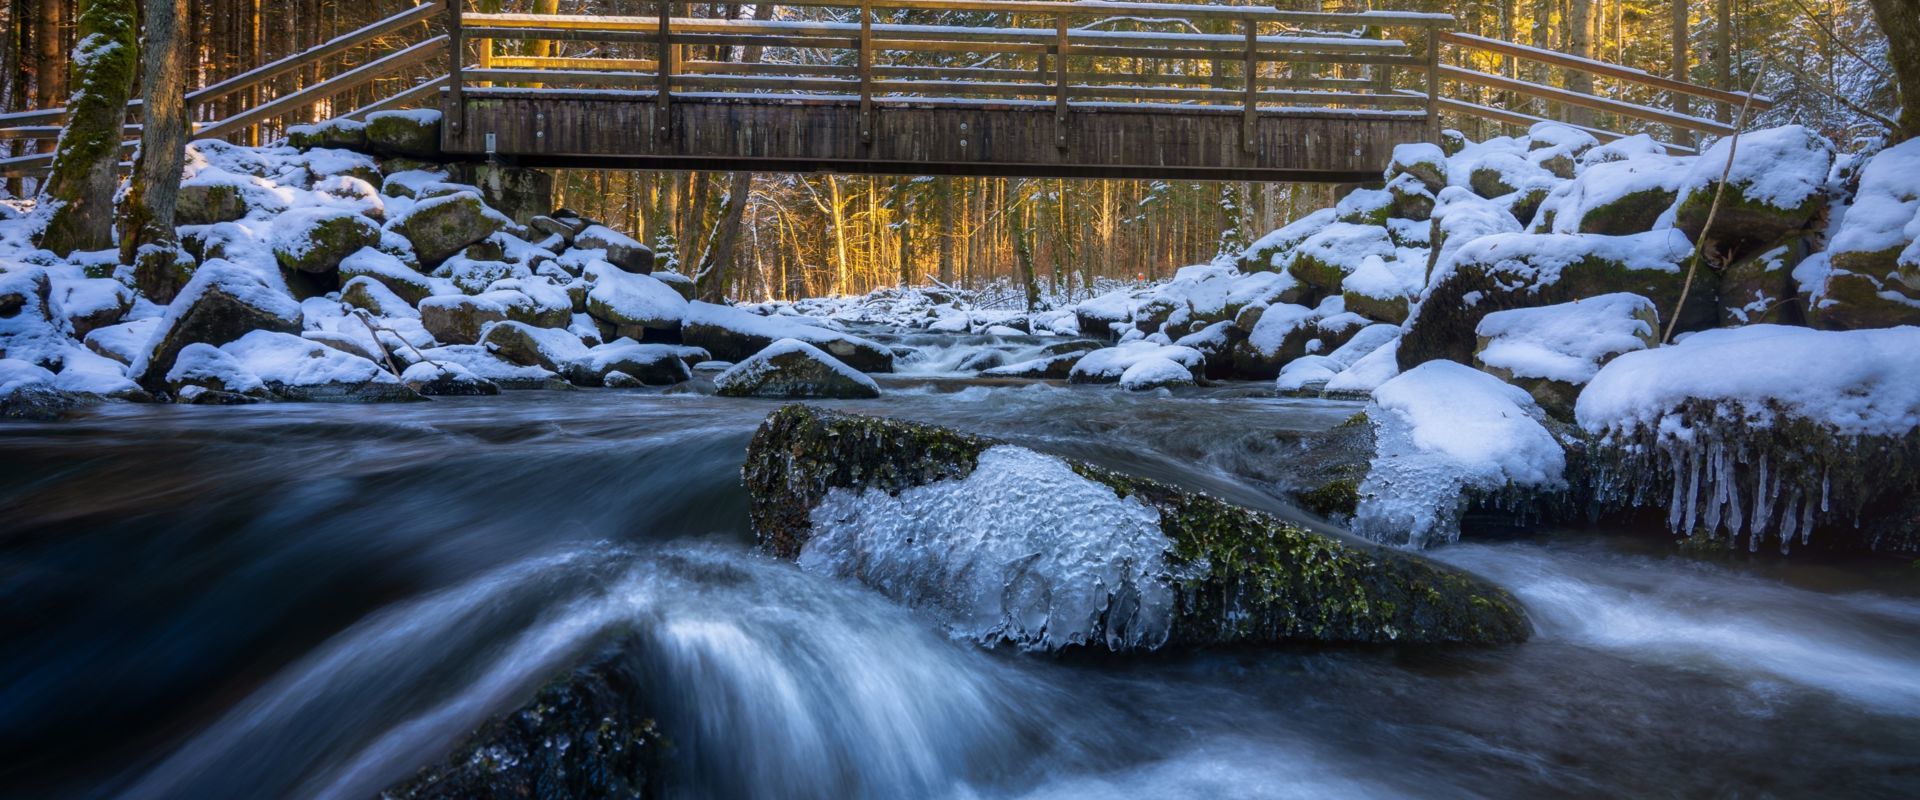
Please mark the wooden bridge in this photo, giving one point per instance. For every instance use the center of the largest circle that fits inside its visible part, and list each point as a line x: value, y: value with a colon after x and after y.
x: 1025, y: 88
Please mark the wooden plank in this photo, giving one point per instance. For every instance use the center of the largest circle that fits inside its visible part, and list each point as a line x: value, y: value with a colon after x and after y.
x: 1616, y: 71
x: 579, y: 63
x: 865, y: 62
x: 665, y: 56
x: 1060, y: 80
x: 1585, y: 100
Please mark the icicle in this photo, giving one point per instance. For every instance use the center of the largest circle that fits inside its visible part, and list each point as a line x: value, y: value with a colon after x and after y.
x: 1806, y: 523
x: 1694, y: 466
x: 1826, y: 487
x: 1735, y: 510
x: 1673, y: 505
x: 1762, y: 500
x: 1716, y: 487
x: 1789, y: 522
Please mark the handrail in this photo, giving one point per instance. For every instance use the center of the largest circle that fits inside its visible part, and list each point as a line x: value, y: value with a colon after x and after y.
x: 1470, y: 41
x: 1621, y: 107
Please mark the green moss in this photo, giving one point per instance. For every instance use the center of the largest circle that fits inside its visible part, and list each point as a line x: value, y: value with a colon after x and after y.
x: 85, y: 165
x: 1242, y: 576
x: 1336, y: 498
x: 1633, y: 213
x: 1744, y: 224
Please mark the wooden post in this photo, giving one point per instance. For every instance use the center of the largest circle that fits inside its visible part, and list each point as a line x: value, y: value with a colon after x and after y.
x: 1060, y: 82
x: 866, y: 72
x: 1252, y: 78
x: 1433, y: 83
x: 666, y: 67
x: 456, y: 53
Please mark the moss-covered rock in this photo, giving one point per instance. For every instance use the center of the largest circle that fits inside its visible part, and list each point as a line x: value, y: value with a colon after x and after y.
x: 1238, y: 576
x: 1634, y: 212
x: 338, y: 134
x: 459, y: 319
x: 221, y: 303
x: 406, y: 134
x: 1745, y: 223
x: 440, y: 227
x: 316, y: 241
x: 1411, y: 199
x: 1761, y: 289
x: 1425, y: 162
x: 208, y: 203
x: 585, y: 734
x: 1507, y: 271
x: 518, y: 192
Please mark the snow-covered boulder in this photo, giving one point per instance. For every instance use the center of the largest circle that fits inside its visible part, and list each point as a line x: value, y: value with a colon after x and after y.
x: 409, y: 134
x: 446, y: 379
x: 1155, y: 372
x: 791, y: 368
x: 492, y: 368
x: 1312, y: 373
x: 82, y: 305
x: 552, y: 348
x: 294, y: 368
x: 440, y: 227
x: 1761, y: 287
x: 460, y: 319
x: 123, y: 342
x: 1869, y: 275
x: 631, y: 302
x: 625, y: 363
x: 1274, y: 251
x: 1325, y: 259
x: 1523, y: 270
x: 221, y: 303
x: 1777, y: 187
x: 622, y: 251
x: 1381, y: 289
x: 946, y: 523
x: 1615, y: 198
x: 391, y: 273
x: 207, y: 374
x: 1449, y: 434
x: 1551, y: 351
x: 316, y: 240
x: 28, y: 392
x: 734, y: 335
x: 344, y: 134
x: 1283, y: 332
x: 1423, y: 161
x: 365, y: 293
x: 1767, y: 432
x: 1109, y: 364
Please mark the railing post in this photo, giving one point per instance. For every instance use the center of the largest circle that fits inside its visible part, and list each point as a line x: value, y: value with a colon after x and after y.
x: 1433, y: 83
x: 866, y: 72
x: 456, y: 53
x: 1252, y: 77
x: 1060, y: 82
x: 663, y: 114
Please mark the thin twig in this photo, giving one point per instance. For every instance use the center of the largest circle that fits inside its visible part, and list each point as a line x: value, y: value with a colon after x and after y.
x: 1700, y: 242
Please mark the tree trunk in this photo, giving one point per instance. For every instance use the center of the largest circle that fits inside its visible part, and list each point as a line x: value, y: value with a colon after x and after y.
x: 1723, y: 54
x: 1580, y: 43
x: 49, y: 61
x: 79, y: 192
x: 1023, y: 244
x: 943, y: 193
x: 839, y: 220
x: 147, y: 240
x: 1680, y: 136
x: 903, y: 223
x: 710, y: 282
x: 1900, y: 21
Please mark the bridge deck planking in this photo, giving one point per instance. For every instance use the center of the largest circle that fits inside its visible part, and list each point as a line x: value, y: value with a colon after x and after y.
x: 560, y: 128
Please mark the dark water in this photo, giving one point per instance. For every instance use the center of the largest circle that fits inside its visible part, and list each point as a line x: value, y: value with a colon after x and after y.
x: 313, y: 601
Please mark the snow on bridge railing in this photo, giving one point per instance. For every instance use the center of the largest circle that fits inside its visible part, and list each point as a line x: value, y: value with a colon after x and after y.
x: 1252, y: 59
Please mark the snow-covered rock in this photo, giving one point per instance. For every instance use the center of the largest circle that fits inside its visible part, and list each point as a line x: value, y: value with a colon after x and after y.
x: 790, y: 368
x: 1448, y: 433
x: 1155, y: 372
x: 1108, y: 365
x: 1553, y: 350
x: 297, y: 369
x: 1766, y: 431
x: 734, y: 335
x: 222, y: 302
x: 632, y: 302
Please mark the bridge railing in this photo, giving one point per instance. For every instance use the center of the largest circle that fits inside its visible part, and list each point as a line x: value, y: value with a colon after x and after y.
x: 1232, y: 59
x: 45, y: 124
x: 1682, y: 126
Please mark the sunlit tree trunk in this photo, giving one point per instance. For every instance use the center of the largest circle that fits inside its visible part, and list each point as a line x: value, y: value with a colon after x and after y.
x: 1580, y: 43
x: 1680, y: 33
x: 1900, y: 21
x: 943, y: 192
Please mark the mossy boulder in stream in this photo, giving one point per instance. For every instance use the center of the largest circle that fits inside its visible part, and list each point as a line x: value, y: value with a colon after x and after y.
x: 584, y: 735
x: 1220, y: 573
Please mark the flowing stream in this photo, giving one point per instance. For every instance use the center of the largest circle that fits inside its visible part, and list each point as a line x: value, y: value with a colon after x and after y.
x: 314, y: 601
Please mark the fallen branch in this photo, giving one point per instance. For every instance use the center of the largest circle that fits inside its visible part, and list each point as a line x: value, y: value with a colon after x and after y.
x: 1700, y: 242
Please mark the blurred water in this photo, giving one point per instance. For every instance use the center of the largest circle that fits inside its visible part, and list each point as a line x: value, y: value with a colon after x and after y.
x: 313, y: 601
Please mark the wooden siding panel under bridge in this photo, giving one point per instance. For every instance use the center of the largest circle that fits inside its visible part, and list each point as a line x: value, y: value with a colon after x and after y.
x: 556, y: 128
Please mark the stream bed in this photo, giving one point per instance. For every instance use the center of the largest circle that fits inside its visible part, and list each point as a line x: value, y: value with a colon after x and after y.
x: 315, y: 601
